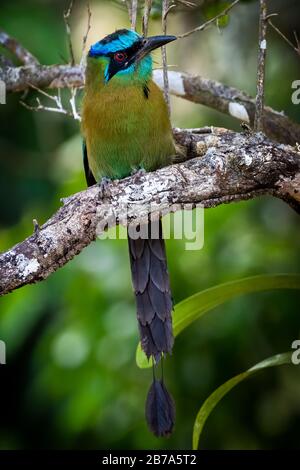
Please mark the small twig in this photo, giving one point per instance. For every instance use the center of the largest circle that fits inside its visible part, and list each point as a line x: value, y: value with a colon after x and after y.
x: 171, y: 7
x: 260, y: 87
x: 67, y: 15
x: 165, y: 10
x: 134, y: 7
x: 84, y: 41
x: 12, y: 45
x: 128, y: 5
x: 297, y: 47
x: 209, y: 22
x: 75, y: 113
x: 186, y: 3
x: 41, y: 107
x: 57, y: 100
x: 297, y: 41
x: 146, y: 15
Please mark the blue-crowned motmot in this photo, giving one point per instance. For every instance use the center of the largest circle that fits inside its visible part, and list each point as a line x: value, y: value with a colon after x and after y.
x: 126, y: 126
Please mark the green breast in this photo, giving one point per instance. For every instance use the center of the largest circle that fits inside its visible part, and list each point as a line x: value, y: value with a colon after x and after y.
x: 125, y: 130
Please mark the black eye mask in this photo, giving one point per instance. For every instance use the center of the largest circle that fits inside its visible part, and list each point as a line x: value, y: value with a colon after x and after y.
x: 129, y: 57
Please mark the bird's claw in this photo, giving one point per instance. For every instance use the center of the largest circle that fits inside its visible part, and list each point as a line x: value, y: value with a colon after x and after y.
x: 137, y: 173
x: 103, y: 186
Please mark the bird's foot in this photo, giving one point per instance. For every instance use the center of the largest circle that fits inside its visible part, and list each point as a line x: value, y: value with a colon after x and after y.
x: 137, y: 173
x: 103, y: 186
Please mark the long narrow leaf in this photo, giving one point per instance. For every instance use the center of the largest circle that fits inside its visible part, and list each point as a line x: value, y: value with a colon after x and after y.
x: 192, y: 308
x: 220, y: 392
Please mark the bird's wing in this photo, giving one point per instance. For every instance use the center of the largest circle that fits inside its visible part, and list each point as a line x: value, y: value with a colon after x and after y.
x: 90, y: 180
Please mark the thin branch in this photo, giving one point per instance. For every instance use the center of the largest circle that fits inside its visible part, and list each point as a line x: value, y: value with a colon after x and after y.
x: 146, y: 15
x: 133, y: 19
x: 85, y: 37
x: 179, y: 2
x: 67, y: 15
x: 41, y: 107
x: 128, y: 5
x: 75, y: 113
x: 209, y: 22
x: 186, y: 3
x: 221, y: 167
x: 59, y: 108
x: 280, y: 33
x: 12, y: 45
x: 165, y: 11
x: 297, y: 41
x: 168, y: 10
x: 261, y: 67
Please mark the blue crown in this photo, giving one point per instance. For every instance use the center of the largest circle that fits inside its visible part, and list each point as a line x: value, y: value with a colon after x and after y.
x: 121, y: 39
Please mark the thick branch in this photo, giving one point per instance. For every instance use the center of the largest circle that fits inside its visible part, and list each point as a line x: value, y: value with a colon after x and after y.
x: 42, y: 76
x: 229, y: 100
x: 221, y: 166
x: 200, y: 90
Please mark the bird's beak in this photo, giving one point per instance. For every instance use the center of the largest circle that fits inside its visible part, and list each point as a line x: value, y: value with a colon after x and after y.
x: 153, y: 42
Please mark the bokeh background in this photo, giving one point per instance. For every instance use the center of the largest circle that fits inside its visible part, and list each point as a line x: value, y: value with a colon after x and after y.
x: 71, y: 380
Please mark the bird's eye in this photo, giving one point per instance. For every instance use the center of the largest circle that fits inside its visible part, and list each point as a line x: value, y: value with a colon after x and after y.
x: 120, y: 56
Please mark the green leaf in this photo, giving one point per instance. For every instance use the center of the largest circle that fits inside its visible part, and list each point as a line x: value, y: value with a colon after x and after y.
x: 192, y: 308
x: 220, y: 392
x: 223, y: 21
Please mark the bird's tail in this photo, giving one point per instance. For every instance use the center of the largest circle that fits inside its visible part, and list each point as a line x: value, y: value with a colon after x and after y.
x: 152, y: 289
x: 151, y: 284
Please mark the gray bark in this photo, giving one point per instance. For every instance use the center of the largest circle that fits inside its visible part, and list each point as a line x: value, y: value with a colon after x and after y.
x: 219, y: 166
x: 200, y: 90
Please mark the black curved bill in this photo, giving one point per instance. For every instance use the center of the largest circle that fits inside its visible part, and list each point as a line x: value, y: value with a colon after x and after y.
x: 153, y: 42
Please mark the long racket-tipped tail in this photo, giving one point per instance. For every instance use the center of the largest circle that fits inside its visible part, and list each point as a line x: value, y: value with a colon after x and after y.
x: 151, y: 284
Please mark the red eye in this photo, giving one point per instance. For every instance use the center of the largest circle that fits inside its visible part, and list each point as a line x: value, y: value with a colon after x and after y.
x: 120, y: 56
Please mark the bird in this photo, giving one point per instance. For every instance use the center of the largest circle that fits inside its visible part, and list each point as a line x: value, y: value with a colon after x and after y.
x: 126, y: 129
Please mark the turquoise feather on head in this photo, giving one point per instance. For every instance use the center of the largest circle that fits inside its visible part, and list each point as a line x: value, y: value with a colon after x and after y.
x: 119, y: 40
x: 126, y: 55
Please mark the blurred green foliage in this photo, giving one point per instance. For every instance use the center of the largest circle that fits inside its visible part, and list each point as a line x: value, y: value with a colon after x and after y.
x: 212, y: 401
x: 71, y: 379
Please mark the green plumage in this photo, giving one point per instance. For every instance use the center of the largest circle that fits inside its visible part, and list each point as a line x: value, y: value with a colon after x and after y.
x: 123, y: 128
x: 125, y: 125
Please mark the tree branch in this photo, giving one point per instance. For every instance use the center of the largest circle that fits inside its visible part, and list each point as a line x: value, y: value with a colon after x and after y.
x: 283, y: 36
x: 221, y: 166
x: 231, y: 101
x: 164, y: 20
x: 194, y: 88
x: 261, y: 67
x: 146, y: 16
x: 12, y: 45
x: 67, y: 15
x: 211, y: 21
